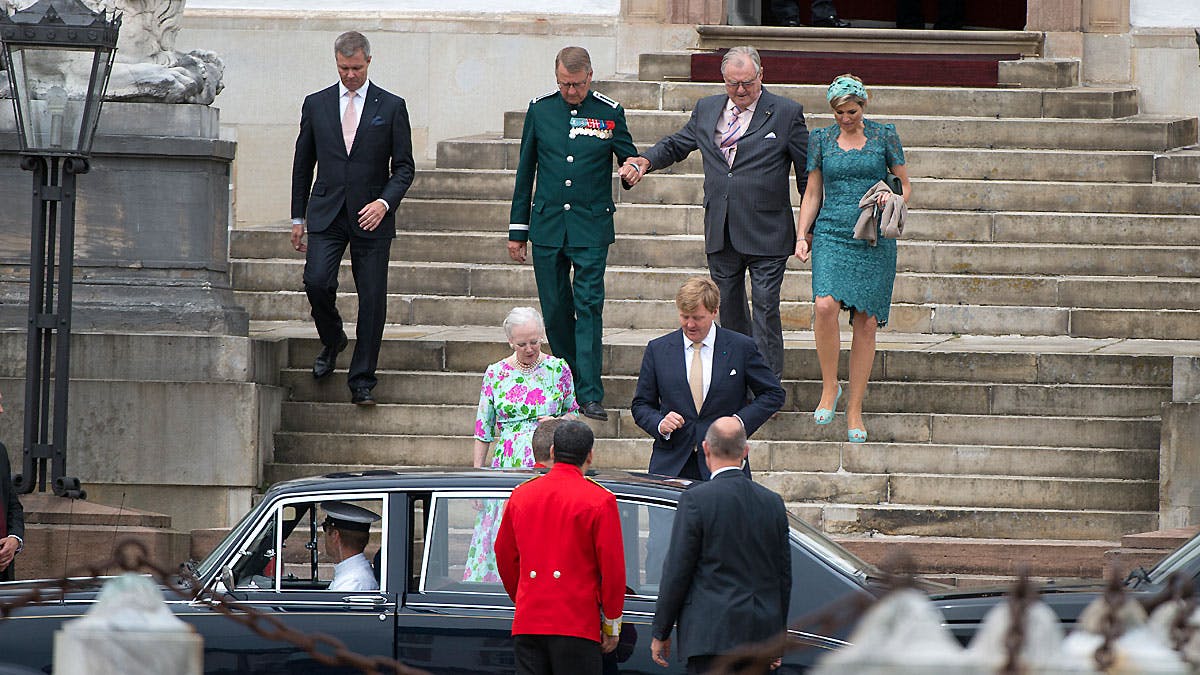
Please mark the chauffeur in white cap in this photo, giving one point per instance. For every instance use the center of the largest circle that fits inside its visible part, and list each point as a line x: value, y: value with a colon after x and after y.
x: 347, y: 530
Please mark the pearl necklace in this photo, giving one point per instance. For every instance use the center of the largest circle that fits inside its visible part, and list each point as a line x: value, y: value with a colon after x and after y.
x: 527, y: 369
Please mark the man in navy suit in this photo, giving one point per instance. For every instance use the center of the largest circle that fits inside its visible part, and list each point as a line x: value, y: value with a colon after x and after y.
x: 694, y: 375
x: 358, y: 138
x: 729, y: 558
x: 749, y: 139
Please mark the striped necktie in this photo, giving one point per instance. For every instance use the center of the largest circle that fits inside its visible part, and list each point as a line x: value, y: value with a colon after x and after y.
x: 731, y: 135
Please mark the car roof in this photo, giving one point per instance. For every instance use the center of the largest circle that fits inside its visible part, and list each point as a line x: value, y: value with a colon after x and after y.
x: 443, y: 478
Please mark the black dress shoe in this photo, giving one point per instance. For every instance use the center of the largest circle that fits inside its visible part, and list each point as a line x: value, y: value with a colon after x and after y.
x: 831, y: 22
x: 327, y: 359
x: 594, y: 410
x: 362, y: 396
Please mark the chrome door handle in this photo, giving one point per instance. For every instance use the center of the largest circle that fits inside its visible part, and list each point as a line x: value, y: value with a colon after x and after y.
x: 365, y: 600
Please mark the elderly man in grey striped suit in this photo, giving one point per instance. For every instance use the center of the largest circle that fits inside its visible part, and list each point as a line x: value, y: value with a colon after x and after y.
x: 748, y: 139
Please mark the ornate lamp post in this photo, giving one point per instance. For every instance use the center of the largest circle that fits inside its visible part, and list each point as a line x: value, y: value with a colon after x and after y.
x: 58, y: 54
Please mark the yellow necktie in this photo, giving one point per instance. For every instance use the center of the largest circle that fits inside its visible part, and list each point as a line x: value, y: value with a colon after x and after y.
x: 696, y: 376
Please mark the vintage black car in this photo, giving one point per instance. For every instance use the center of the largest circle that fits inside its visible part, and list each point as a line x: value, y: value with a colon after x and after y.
x: 436, y: 609
x: 964, y: 610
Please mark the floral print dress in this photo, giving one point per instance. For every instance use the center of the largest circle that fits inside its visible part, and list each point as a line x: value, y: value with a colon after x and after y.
x: 510, y: 403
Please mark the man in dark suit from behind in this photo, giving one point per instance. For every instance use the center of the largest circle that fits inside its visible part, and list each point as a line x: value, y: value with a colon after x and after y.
x: 749, y: 140
x: 12, y: 518
x: 694, y: 375
x: 729, y: 558
x: 357, y: 137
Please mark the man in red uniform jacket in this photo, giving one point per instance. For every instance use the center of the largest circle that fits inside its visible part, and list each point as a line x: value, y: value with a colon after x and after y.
x: 559, y: 551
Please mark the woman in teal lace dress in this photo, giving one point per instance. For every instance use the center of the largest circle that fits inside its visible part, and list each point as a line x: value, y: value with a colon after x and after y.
x: 517, y: 392
x: 844, y: 161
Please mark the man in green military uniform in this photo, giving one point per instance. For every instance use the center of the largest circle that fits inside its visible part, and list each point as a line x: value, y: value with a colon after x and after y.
x: 569, y: 141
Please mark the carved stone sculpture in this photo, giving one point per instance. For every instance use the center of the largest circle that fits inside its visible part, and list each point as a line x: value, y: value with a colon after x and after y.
x: 147, y: 67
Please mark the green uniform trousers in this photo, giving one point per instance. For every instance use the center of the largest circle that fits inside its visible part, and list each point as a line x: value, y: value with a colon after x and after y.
x: 572, y: 309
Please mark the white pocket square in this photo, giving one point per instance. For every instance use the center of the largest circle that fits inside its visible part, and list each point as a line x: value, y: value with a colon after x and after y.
x: 733, y: 372
x: 770, y: 135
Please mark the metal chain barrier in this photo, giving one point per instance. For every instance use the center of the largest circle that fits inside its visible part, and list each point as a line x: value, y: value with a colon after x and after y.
x: 132, y: 556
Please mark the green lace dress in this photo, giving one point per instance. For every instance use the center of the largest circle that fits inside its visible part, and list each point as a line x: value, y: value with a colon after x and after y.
x: 844, y: 268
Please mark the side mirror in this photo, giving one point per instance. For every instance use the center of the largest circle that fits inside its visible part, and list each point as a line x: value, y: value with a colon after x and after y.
x: 227, y: 579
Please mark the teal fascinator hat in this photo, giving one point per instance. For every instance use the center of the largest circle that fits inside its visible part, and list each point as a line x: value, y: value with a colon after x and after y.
x: 843, y: 86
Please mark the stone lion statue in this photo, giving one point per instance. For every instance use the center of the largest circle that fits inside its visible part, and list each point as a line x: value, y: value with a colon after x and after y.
x: 147, y: 66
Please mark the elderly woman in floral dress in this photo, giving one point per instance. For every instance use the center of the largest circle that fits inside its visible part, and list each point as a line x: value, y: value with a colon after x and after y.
x: 517, y: 392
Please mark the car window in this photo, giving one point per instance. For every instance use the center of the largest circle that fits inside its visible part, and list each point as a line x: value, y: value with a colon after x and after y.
x: 458, y: 553
x: 292, y: 551
x: 646, y: 533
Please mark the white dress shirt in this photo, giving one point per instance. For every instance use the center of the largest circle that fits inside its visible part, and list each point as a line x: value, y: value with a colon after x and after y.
x: 354, y: 574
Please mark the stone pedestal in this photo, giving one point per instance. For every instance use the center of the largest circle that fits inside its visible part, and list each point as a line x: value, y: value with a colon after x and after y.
x: 152, y: 221
x: 1179, y: 465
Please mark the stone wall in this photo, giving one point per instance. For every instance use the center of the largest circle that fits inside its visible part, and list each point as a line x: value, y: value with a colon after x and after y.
x: 458, y: 74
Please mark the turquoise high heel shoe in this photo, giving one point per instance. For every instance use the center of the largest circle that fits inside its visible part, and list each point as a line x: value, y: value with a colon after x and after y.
x: 856, y: 435
x: 825, y: 415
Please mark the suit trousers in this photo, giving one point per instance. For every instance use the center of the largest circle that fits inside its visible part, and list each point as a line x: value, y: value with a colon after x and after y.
x: 728, y: 269
x: 369, y: 265
x: 788, y: 11
x: 556, y: 655
x: 573, y: 310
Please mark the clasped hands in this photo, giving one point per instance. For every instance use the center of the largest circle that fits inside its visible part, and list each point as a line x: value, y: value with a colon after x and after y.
x: 633, y: 169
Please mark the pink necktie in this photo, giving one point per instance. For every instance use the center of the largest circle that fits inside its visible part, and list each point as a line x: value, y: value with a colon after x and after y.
x: 349, y: 123
x: 733, y: 132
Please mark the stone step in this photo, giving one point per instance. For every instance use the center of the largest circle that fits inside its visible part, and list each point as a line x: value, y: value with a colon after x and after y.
x: 902, y: 358
x: 1071, y: 102
x: 954, y: 195
x: 980, y: 320
x: 963, y: 398
x: 687, y: 252
x: 975, y: 556
x: 304, y: 447
x: 494, y: 152
x: 946, y: 429
x: 483, y: 216
x: 897, y: 519
x: 637, y: 283
x: 1000, y: 523
x: 1141, y: 132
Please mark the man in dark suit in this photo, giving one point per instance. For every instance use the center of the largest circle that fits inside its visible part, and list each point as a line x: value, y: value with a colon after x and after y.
x: 694, y: 375
x: 748, y: 139
x: 12, y: 518
x: 357, y: 137
x: 729, y: 558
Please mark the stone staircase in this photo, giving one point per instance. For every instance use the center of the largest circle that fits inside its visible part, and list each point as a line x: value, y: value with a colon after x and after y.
x: 1050, y: 275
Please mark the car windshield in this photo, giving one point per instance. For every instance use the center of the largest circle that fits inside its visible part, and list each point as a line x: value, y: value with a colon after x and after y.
x: 831, y: 551
x: 209, y: 565
x: 1185, y: 559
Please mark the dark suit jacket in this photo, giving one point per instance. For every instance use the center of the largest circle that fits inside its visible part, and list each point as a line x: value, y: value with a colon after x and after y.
x: 727, y: 577
x: 379, y: 165
x: 662, y: 387
x: 14, y: 514
x: 754, y: 193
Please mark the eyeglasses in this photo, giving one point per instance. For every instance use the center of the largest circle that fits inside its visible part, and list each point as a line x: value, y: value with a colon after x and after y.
x: 572, y: 85
x: 531, y: 343
x: 741, y: 85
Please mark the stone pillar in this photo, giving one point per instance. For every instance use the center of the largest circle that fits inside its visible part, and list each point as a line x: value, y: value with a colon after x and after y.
x: 695, y: 11
x: 1062, y: 22
x: 1107, y: 44
x: 1179, y: 451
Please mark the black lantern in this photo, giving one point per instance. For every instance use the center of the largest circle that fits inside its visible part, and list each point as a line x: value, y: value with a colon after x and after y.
x: 58, y: 54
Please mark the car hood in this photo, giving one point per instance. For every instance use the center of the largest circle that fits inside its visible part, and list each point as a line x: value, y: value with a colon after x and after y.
x: 969, y: 606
